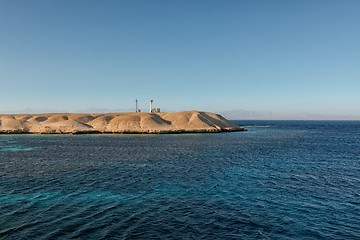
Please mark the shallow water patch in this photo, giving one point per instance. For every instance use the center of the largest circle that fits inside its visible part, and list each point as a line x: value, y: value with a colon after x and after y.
x: 15, y: 148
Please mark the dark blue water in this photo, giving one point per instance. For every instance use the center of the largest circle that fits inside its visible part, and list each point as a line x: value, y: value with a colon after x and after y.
x: 278, y: 180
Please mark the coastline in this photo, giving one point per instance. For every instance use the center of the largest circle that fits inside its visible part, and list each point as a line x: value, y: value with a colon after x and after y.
x: 121, y: 123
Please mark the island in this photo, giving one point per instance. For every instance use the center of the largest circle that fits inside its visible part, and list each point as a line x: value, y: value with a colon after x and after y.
x: 124, y: 122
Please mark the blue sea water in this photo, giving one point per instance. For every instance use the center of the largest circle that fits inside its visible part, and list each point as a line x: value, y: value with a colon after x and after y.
x: 278, y: 180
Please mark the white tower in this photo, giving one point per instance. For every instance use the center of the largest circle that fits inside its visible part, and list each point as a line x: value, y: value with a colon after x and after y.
x: 137, y: 106
x: 151, y: 107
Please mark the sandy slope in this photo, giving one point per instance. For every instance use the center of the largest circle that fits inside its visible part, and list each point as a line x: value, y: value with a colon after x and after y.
x: 189, y: 121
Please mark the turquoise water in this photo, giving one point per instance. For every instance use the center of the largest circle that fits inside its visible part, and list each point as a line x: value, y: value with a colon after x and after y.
x: 278, y: 180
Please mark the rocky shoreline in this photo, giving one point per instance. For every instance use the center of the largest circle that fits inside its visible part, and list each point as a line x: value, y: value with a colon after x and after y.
x: 124, y: 123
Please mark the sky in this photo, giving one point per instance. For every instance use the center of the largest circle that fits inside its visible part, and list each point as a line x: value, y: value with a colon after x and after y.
x: 281, y: 56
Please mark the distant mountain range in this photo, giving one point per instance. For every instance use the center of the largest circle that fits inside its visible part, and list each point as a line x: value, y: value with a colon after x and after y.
x: 240, y: 114
x: 236, y: 114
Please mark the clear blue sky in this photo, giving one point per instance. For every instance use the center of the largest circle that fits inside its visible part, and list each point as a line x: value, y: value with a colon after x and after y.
x: 281, y: 56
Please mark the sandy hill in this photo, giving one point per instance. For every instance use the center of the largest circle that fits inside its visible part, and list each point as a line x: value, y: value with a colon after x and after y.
x: 175, y: 122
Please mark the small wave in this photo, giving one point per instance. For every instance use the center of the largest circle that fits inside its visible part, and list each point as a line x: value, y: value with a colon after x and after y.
x: 259, y: 126
x: 15, y: 148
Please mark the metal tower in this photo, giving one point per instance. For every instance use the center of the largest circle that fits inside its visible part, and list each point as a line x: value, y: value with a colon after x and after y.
x: 151, y: 103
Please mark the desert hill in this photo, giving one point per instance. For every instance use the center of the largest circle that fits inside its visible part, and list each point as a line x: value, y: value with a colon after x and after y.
x: 174, y: 122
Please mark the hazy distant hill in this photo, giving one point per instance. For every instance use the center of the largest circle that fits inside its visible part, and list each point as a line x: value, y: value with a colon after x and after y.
x: 240, y: 114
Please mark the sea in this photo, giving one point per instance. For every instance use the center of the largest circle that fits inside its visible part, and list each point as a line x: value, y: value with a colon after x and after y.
x: 277, y: 180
